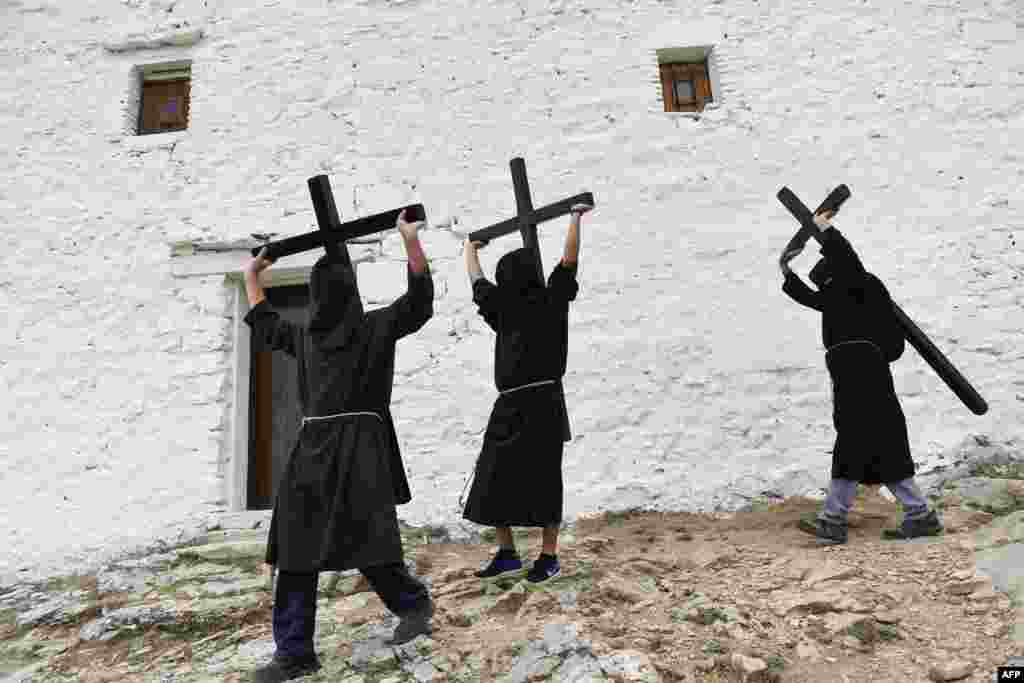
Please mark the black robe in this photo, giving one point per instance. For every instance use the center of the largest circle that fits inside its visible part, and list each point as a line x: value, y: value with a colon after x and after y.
x: 862, y: 336
x: 518, y: 477
x: 335, y: 505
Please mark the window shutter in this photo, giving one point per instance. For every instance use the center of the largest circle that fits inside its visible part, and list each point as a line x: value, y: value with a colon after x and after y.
x: 667, y: 93
x: 703, y: 82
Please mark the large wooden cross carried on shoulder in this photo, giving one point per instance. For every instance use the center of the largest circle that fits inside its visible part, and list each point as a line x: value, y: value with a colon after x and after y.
x: 332, y: 231
x: 527, y: 218
x: 917, y: 338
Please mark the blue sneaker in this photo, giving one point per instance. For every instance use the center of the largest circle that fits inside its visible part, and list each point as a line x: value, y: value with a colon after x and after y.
x: 505, y: 563
x: 546, y: 567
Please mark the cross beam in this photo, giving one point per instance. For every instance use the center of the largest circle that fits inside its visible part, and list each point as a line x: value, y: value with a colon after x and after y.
x: 527, y: 217
x: 917, y: 338
x: 832, y: 202
x: 331, y: 230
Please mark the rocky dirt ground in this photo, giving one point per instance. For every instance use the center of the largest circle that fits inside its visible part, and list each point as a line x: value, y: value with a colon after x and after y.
x: 644, y: 596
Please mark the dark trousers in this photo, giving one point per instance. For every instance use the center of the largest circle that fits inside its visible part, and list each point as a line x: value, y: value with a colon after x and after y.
x: 294, y: 615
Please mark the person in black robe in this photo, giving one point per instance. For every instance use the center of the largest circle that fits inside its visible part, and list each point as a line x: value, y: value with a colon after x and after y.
x: 335, y: 505
x: 517, y: 480
x: 862, y: 336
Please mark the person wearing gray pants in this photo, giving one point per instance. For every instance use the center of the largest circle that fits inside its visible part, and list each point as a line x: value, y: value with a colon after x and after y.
x: 862, y: 337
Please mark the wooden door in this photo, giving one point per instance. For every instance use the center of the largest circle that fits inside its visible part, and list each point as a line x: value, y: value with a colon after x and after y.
x: 274, y: 403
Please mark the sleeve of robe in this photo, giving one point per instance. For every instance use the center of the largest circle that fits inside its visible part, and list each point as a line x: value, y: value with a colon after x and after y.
x: 412, y: 310
x: 843, y: 260
x: 485, y: 296
x: 799, y: 292
x: 270, y: 331
x: 562, y: 284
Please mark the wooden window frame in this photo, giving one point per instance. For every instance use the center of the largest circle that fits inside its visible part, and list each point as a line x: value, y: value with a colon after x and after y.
x: 150, y: 81
x: 697, y: 73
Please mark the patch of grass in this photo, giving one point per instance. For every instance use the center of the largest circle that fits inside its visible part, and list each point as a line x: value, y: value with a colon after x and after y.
x: 1013, y: 470
x: 194, y: 626
x: 61, y: 584
x: 709, y: 615
x: 776, y: 664
x: 712, y: 647
x: 617, y: 517
x: 186, y: 560
x: 888, y: 632
x: 490, y: 534
x: 859, y: 631
x: 8, y: 617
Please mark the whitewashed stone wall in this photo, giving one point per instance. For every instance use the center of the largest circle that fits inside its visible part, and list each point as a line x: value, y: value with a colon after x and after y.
x: 691, y: 376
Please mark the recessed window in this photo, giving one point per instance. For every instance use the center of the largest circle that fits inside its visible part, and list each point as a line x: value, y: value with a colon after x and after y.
x: 164, y: 105
x: 686, y: 86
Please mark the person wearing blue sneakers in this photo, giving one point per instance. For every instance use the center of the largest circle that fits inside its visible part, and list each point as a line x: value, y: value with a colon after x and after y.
x: 862, y: 336
x: 518, y: 476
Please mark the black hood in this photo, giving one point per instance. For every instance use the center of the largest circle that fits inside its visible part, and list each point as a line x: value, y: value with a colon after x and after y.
x: 517, y: 274
x: 335, y: 307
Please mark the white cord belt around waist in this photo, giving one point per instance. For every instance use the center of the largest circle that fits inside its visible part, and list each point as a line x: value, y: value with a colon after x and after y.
x: 853, y: 341
x: 331, y: 417
x: 527, y: 386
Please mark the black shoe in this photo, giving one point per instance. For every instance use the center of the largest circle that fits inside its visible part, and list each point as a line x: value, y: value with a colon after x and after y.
x: 827, y: 532
x: 504, y: 564
x: 285, y: 669
x: 413, y: 624
x: 929, y: 525
x: 546, y: 567
x: 831, y: 533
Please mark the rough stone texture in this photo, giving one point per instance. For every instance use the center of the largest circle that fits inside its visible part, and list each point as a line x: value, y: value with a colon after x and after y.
x: 998, y: 496
x: 1002, y: 531
x: 117, y: 374
x: 105, y: 627
x: 561, y: 655
x: 1004, y: 566
x: 950, y: 671
x: 62, y: 609
x: 255, y: 653
x: 829, y: 571
x: 227, y: 552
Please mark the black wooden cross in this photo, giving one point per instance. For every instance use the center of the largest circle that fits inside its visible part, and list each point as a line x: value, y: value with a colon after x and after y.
x: 527, y: 217
x: 917, y: 338
x: 332, y: 231
x: 832, y: 203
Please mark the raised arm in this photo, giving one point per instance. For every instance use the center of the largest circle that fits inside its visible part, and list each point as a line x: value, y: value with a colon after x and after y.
x: 485, y: 293
x: 412, y: 310
x: 571, y: 255
x: 253, y: 288
x: 793, y: 285
x: 270, y: 331
x: 799, y: 292
x: 473, y: 261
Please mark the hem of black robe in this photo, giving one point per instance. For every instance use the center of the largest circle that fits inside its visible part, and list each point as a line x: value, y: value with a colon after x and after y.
x: 508, y: 522
x: 337, y: 567
x: 872, y: 480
